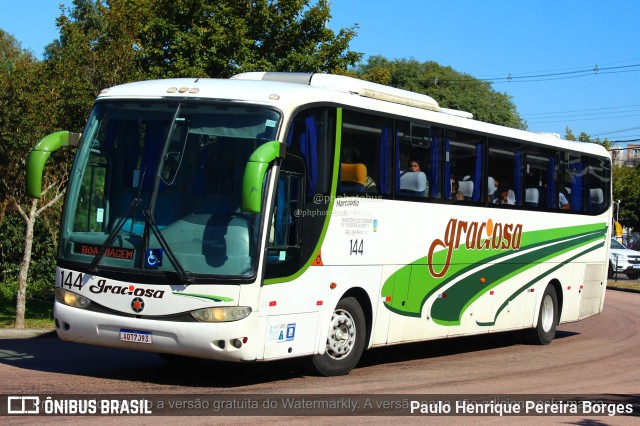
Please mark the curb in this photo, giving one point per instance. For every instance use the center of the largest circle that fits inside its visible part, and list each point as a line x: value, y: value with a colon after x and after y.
x: 628, y: 290
x: 26, y: 333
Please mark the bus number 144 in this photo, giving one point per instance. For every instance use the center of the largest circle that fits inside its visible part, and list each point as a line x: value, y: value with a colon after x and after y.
x: 356, y: 247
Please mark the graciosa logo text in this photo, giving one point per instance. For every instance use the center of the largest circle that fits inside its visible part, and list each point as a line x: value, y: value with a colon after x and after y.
x: 130, y: 290
x: 475, y: 236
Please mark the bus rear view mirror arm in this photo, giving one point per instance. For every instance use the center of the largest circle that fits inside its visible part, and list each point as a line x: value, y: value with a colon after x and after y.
x: 39, y: 156
x: 254, y: 172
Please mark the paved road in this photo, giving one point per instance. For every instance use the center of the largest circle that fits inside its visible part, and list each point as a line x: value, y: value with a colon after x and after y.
x: 596, y: 356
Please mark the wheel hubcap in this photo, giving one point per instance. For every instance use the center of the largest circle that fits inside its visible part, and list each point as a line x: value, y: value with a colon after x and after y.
x: 547, y: 313
x: 342, y: 334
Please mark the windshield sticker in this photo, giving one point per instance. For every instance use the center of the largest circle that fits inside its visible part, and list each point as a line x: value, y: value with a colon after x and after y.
x: 92, y: 250
x: 153, y: 257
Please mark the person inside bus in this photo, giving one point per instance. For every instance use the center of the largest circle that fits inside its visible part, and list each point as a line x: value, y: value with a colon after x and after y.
x: 563, y: 200
x: 492, y: 190
x: 563, y: 197
x: 414, y: 179
x: 563, y: 193
x: 502, y: 194
x: 456, y: 194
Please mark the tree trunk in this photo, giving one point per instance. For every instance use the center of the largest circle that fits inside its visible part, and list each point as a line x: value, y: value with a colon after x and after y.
x: 30, y: 221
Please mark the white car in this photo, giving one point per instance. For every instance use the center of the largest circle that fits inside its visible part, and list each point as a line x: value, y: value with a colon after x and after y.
x: 623, y: 260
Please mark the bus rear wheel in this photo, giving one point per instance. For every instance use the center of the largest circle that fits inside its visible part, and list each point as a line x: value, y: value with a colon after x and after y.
x: 545, y: 330
x: 345, y: 341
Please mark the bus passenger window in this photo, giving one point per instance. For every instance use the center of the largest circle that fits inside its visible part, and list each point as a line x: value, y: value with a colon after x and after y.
x: 598, y: 182
x: 366, y: 149
x: 506, y: 168
x: 576, y: 170
x: 417, y: 163
x: 464, y: 159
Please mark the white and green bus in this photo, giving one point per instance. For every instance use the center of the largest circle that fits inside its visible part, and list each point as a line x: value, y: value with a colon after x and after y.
x: 277, y: 215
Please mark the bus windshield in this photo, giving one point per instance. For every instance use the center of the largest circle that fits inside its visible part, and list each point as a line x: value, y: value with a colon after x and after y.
x: 157, y: 186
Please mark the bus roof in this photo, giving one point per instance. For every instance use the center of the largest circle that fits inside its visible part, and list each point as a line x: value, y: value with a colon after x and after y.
x: 287, y: 91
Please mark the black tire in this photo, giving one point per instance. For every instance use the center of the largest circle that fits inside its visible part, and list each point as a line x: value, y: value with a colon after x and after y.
x: 345, y: 342
x: 610, y: 272
x: 545, y: 330
x: 633, y: 275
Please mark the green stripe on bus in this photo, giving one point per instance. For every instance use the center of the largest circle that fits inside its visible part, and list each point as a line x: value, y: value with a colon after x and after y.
x: 204, y: 296
x: 449, y: 310
x: 421, y: 286
x: 532, y: 282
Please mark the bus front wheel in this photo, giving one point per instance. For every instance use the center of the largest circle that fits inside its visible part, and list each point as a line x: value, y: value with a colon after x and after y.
x: 345, y: 341
x: 545, y: 330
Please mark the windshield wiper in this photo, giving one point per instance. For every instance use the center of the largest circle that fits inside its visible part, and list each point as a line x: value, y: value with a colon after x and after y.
x: 136, y: 202
x: 186, y: 277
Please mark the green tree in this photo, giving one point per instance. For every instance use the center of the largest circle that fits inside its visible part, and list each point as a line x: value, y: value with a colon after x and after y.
x: 626, y: 184
x: 25, y: 116
x: 626, y: 188
x: 94, y: 51
x: 450, y: 88
x: 219, y: 38
x: 583, y: 137
x: 107, y: 42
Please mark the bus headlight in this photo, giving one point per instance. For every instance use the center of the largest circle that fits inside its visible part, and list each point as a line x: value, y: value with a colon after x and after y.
x: 71, y: 299
x: 223, y: 314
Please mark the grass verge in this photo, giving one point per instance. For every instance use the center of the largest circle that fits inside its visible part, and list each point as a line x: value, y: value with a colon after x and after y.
x: 38, y: 314
x: 624, y: 285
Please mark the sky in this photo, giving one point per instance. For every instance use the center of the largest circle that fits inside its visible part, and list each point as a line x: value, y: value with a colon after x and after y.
x: 572, y: 63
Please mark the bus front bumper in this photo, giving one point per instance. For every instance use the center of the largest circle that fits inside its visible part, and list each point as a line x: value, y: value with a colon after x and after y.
x: 227, y: 341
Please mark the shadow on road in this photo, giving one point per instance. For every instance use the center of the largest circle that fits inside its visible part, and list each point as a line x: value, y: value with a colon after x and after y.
x: 49, y: 354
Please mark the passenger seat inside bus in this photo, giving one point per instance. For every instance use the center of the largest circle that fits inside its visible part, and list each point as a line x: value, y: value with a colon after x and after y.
x: 413, y: 183
x: 532, y: 195
x: 353, y: 177
x: 466, y: 188
x: 597, y: 199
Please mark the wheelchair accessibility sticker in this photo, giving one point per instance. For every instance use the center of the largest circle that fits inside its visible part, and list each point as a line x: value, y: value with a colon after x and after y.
x: 153, y: 257
x: 282, y: 332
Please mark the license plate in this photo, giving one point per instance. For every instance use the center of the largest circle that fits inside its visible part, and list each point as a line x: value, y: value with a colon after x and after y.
x: 135, y: 336
x: 636, y: 266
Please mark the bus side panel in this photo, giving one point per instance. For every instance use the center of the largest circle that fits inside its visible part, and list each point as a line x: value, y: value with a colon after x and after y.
x: 303, y: 307
x: 290, y: 313
x: 380, y: 329
x: 290, y: 335
x: 594, y: 286
x: 514, y: 303
x: 572, y: 292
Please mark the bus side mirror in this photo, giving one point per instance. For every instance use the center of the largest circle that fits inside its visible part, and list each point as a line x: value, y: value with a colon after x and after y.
x: 39, y: 156
x: 254, y: 173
